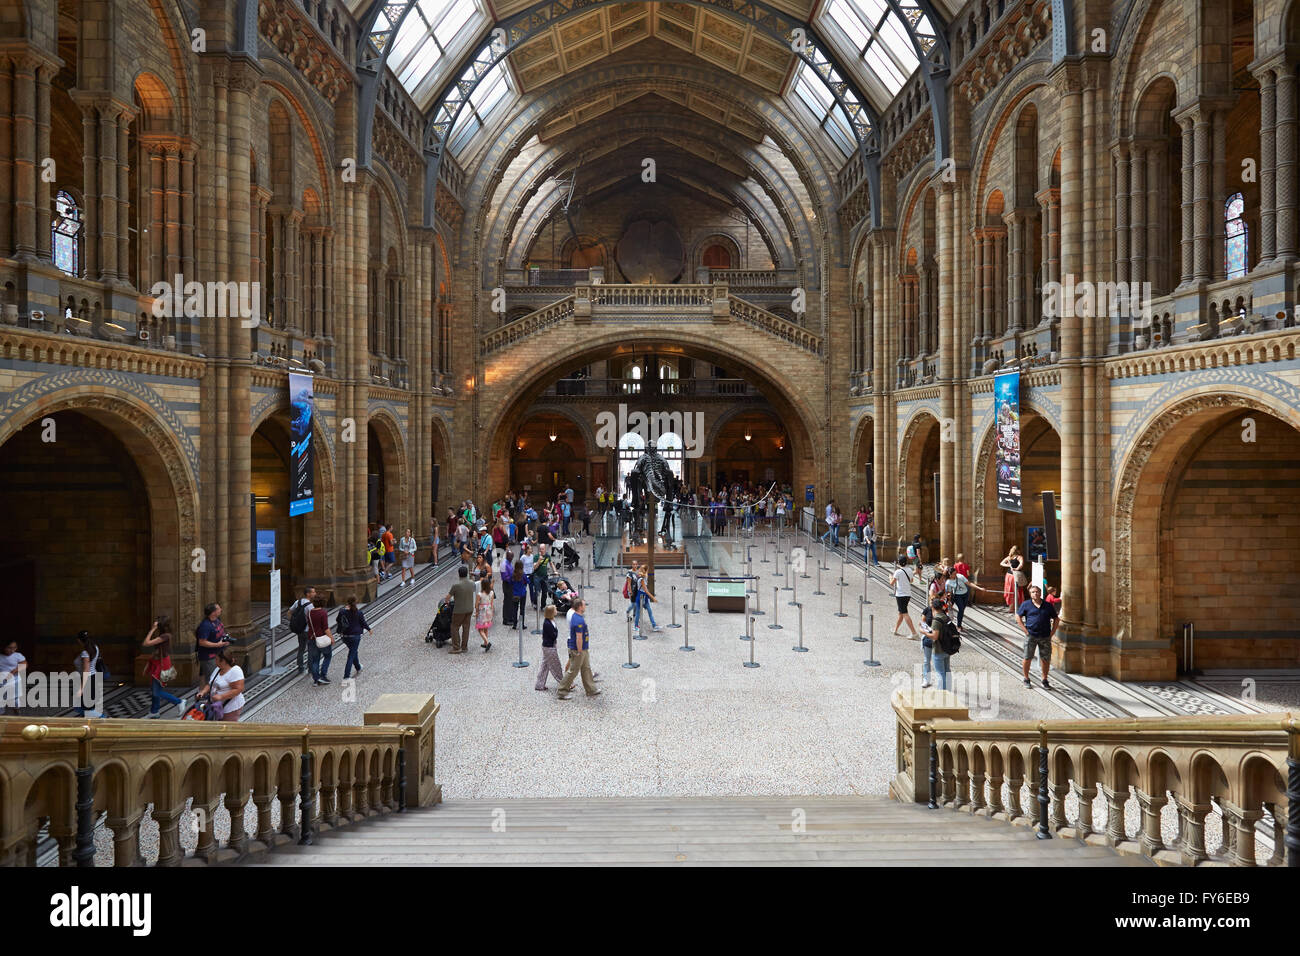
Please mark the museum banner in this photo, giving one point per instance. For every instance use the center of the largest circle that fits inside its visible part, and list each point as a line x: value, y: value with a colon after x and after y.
x: 1006, y: 418
x: 303, y: 400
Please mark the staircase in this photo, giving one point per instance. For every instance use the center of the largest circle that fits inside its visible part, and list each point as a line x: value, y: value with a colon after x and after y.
x: 706, y: 831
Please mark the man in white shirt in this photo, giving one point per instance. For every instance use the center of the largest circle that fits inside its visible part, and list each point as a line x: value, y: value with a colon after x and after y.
x: 903, y: 594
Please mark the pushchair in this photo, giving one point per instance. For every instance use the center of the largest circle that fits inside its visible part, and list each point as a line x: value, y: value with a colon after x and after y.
x: 440, y: 630
x: 560, y: 590
x: 569, y: 556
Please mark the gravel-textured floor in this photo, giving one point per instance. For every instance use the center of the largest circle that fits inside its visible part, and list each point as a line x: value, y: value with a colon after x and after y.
x: 683, y: 722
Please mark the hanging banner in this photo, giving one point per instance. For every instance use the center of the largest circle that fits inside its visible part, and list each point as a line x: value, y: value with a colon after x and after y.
x: 1006, y: 418
x: 303, y: 401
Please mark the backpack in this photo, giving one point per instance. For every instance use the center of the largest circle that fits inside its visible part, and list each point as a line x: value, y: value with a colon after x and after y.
x: 627, y: 591
x: 911, y: 552
x: 298, y: 618
x: 949, y: 638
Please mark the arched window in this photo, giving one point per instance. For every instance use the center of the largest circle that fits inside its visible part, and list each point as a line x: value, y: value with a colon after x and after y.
x: 66, y: 233
x: 717, y: 256
x: 1235, y: 236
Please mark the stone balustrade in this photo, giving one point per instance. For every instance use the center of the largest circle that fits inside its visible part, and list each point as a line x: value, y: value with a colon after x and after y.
x: 674, y: 303
x: 1189, y: 790
x: 65, y: 774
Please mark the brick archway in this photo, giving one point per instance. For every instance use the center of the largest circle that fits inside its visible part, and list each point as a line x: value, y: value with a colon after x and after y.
x: 171, y: 486
x: 1165, y: 445
x: 391, y: 443
x: 803, y: 426
x: 321, y: 521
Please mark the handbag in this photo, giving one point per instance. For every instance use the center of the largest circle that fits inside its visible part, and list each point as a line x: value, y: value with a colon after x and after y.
x: 1021, y: 578
x: 323, y: 641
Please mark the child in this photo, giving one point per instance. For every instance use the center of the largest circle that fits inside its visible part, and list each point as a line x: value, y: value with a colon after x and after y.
x: 550, y: 656
x: 853, y: 537
x: 483, y: 610
x: 1054, y: 598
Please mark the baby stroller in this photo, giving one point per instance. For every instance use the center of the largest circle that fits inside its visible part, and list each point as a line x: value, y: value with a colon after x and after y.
x: 560, y: 591
x: 569, y: 557
x: 440, y: 630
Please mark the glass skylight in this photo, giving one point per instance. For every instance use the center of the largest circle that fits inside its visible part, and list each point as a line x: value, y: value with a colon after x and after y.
x: 814, y: 94
x: 882, y: 47
x: 489, y: 94
x: 434, y: 35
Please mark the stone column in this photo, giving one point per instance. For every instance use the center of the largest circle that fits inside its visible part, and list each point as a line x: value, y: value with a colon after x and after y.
x: 992, y: 328
x: 1138, y: 217
x: 1187, y: 271
x: 948, y: 365
x: 1286, y: 164
x: 8, y: 155
x: 1201, y: 183
x: 1074, y: 561
x: 44, y: 71
x: 153, y: 195
x: 244, y: 79
x: 1219, y: 193
x: 26, y: 162
x: 1017, y: 307
x: 123, y: 193
x: 1267, y: 165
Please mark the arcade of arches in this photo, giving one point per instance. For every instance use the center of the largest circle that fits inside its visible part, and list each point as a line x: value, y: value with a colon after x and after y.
x: 658, y: 208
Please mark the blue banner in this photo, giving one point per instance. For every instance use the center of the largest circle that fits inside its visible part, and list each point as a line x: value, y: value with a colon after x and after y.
x: 302, y: 398
x: 1006, y: 424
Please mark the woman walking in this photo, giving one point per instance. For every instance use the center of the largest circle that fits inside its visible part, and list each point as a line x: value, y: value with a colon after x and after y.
x: 159, y: 641
x: 13, y: 677
x: 321, y: 647
x: 550, y: 656
x: 350, y: 623
x: 227, y: 686
x: 407, y: 546
x: 903, y: 595
x: 1013, y: 584
x: 483, y: 611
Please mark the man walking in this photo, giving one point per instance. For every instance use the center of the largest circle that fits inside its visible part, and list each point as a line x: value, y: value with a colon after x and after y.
x: 1039, y: 620
x: 579, y: 654
x: 209, y: 637
x: 462, y: 610
x: 298, y: 622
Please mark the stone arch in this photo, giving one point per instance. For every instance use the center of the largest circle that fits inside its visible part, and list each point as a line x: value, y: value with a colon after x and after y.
x: 981, y: 465
x: 283, y: 85
x: 168, y: 472
x: 392, y: 441
x: 327, y: 502
x: 802, y: 423
x: 732, y: 247
x: 862, y: 447
x: 1138, y: 495
x: 915, y: 434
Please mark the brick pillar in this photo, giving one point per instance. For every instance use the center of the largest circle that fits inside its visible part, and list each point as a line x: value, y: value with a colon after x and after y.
x: 1016, y: 310
x: 1073, y: 561
x: 1138, y: 217
x: 8, y: 155
x: 123, y: 193
x: 1202, y: 181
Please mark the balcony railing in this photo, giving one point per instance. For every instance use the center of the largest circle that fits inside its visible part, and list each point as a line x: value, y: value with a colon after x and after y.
x: 320, y: 776
x: 730, y: 388
x: 1173, y: 789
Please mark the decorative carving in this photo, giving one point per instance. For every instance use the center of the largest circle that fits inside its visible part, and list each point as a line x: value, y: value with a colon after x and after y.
x: 286, y: 28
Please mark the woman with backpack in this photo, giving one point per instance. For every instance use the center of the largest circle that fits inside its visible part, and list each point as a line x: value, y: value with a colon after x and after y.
x: 350, y: 623
x: 159, y: 666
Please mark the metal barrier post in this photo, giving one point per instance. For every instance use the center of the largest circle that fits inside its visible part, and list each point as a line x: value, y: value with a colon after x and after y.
x: 819, y: 590
x: 800, y: 648
x: 686, y: 634
x: 611, y: 610
x: 519, y: 626
x: 630, y: 665
x: 757, y: 609
x: 871, y: 650
x: 752, y: 642
x: 672, y: 606
x: 794, y: 597
x: 787, y: 576
x: 840, y: 612
x: 693, y: 589
x: 776, y: 607
x: 746, y: 636
x: 860, y: 639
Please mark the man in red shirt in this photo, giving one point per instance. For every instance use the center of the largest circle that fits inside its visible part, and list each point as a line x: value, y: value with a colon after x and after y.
x: 390, y: 549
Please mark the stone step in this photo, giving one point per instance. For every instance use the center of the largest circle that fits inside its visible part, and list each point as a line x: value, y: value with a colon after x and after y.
x: 717, y: 831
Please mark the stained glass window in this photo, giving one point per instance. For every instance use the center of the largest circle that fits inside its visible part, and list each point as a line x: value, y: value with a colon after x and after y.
x: 66, y: 233
x: 1235, y: 236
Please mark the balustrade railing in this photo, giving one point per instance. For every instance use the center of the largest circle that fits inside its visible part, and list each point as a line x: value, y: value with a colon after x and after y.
x: 1175, y: 789
x: 650, y: 296
x: 750, y: 314
x: 67, y: 775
